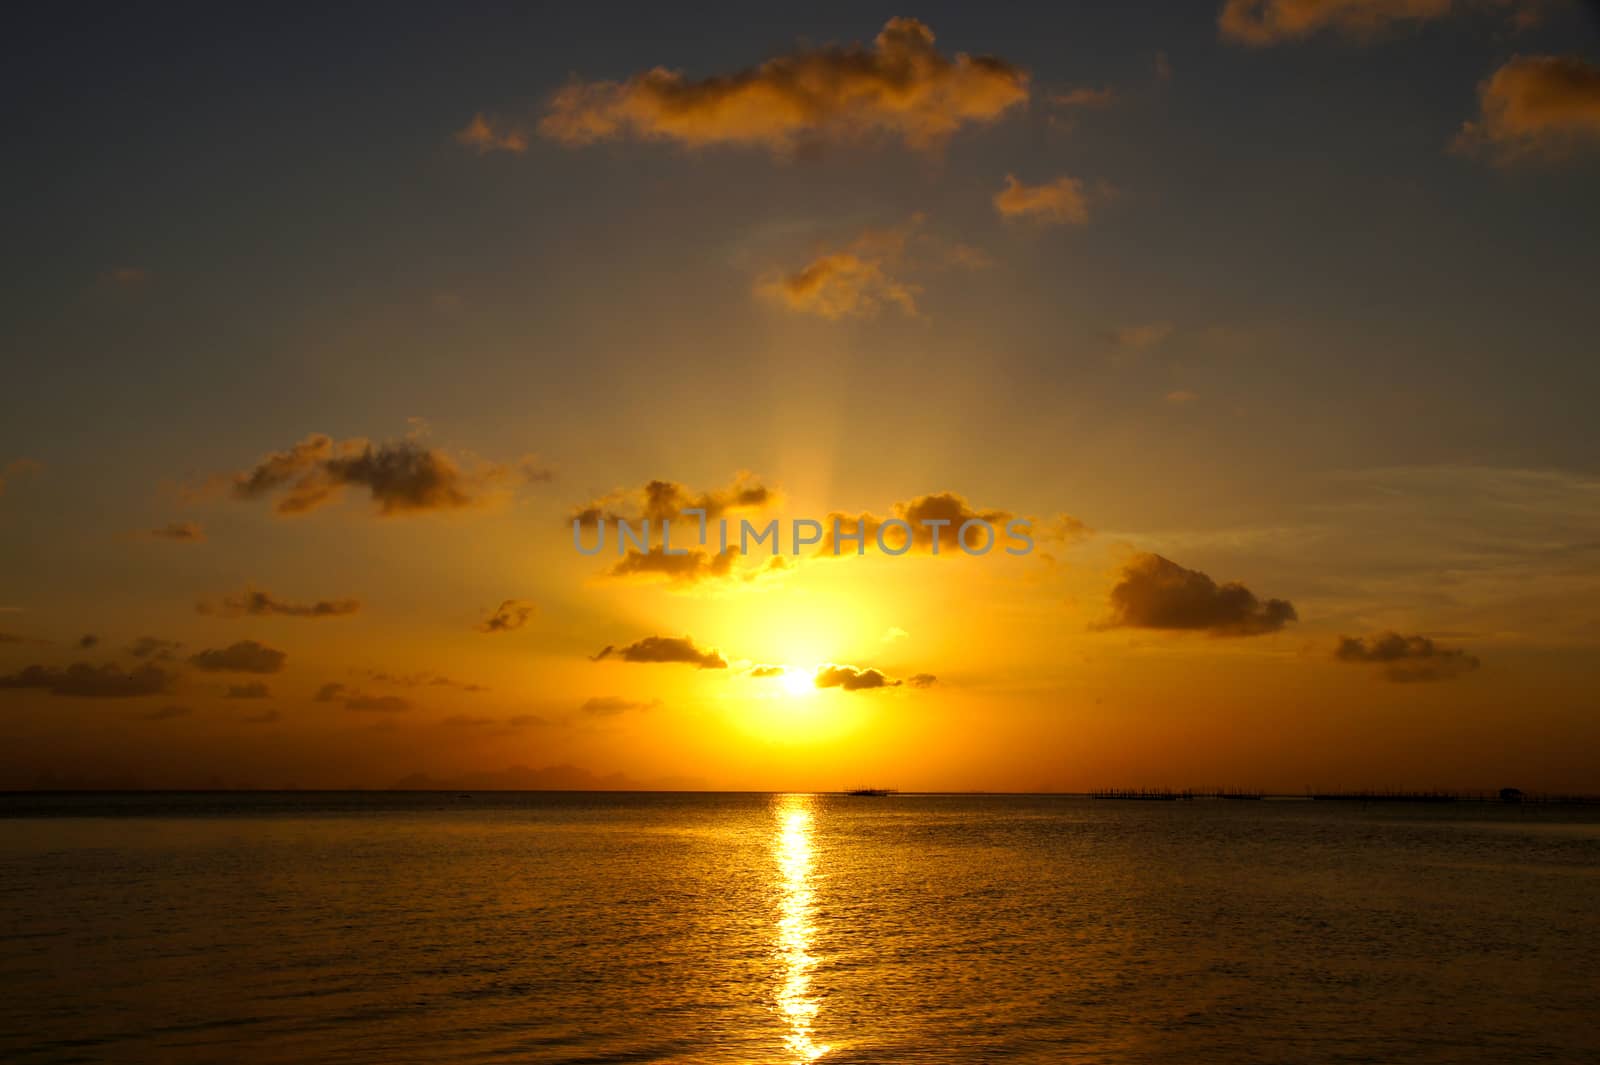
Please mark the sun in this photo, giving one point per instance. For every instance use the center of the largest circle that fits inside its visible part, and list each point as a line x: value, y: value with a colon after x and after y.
x: 798, y: 680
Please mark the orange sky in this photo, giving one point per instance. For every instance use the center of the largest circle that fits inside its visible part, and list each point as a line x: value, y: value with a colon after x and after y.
x: 1268, y: 319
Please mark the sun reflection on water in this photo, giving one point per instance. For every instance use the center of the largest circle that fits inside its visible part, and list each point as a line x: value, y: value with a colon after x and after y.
x: 792, y: 848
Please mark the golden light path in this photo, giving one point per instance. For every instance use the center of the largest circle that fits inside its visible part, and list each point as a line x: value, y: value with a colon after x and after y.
x: 792, y: 849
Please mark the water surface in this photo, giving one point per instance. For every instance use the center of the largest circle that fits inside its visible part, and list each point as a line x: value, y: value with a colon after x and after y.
x: 769, y: 928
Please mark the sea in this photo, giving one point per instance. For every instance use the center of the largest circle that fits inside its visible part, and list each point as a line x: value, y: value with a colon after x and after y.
x: 727, y: 929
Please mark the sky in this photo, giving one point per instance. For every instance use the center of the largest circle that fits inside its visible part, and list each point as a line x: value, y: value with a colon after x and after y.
x: 1274, y: 319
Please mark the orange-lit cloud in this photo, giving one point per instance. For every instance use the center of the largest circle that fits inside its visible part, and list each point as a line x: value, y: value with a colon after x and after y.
x: 253, y: 690
x: 187, y: 532
x: 1157, y: 593
x: 167, y: 713
x: 856, y: 281
x: 1083, y: 97
x: 485, y: 137
x: 1536, y: 106
x: 1059, y: 202
x: 401, y: 477
x: 255, y: 603
x: 1268, y: 22
x: 664, y: 649
x: 92, y: 682
x: 509, y: 616
x: 1264, y: 22
x: 1406, y: 658
x: 246, y: 656
x: 901, y: 88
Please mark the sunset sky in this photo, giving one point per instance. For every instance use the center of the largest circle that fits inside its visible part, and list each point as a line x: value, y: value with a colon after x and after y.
x: 1277, y: 318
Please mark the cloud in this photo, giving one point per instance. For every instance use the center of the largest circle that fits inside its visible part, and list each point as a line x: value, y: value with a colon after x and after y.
x: 386, y: 704
x: 153, y: 648
x: 947, y: 507
x: 485, y: 137
x: 92, y: 682
x: 856, y: 281
x: 246, y: 656
x: 766, y: 671
x: 265, y: 717
x: 167, y: 713
x: 1406, y: 658
x: 254, y: 603
x: 1157, y: 593
x: 1059, y: 202
x: 1260, y: 23
x: 1535, y: 106
x: 509, y: 616
x: 922, y: 680
x: 851, y: 679
x: 611, y: 705
x: 425, y: 680
x: 900, y: 88
x: 1083, y: 97
x: 88, y: 640
x: 688, y: 568
x: 1141, y: 337
x: 187, y: 532
x: 253, y: 690
x: 662, y: 500
x: 358, y: 700
x: 401, y: 477
x: 1267, y: 22
x: 664, y: 649
x: 1180, y: 397
x: 15, y: 470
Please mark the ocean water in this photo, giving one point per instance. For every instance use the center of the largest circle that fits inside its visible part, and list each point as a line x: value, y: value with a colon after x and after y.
x: 303, y: 928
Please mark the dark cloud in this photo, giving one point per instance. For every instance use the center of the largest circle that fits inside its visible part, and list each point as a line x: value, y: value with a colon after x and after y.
x: 766, y: 671
x: 181, y: 531
x: 664, y: 649
x: 254, y: 603
x: 660, y: 501
x: 851, y: 679
x: 900, y: 88
x: 381, y: 703
x: 167, y: 713
x: 510, y: 615
x: 611, y: 705
x: 153, y: 648
x: 246, y: 656
x: 265, y: 717
x: 425, y: 680
x: 401, y: 477
x: 253, y: 690
x: 1157, y: 593
x: 358, y: 700
x: 947, y: 507
x: 87, y: 640
x: 94, y: 682
x: 1406, y: 658
x: 1536, y: 106
x: 688, y: 568
x: 922, y: 680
